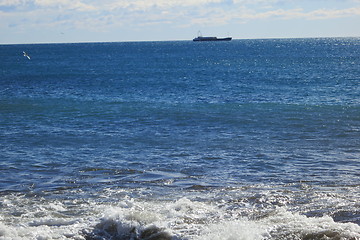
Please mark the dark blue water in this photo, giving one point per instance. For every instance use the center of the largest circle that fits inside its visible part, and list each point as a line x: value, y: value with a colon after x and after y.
x: 242, y: 125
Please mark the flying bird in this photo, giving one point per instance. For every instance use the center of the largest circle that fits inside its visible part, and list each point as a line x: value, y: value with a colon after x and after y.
x: 26, y: 55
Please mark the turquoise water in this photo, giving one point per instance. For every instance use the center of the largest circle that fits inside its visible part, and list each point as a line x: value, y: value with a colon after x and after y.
x: 248, y: 139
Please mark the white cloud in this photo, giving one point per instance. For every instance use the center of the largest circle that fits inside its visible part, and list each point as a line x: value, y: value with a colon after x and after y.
x: 29, y: 5
x: 10, y: 2
x: 143, y: 5
x: 65, y: 4
x: 332, y: 13
x: 300, y: 13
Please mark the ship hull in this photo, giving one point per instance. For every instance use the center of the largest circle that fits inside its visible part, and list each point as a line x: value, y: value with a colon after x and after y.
x: 207, y: 39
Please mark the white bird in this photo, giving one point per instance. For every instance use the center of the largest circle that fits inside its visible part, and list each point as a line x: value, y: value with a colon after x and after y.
x: 26, y: 55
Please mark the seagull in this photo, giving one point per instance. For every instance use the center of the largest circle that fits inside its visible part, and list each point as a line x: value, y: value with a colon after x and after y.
x: 26, y: 55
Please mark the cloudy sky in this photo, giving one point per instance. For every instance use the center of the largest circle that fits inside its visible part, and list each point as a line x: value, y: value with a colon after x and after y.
x: 42, y: 21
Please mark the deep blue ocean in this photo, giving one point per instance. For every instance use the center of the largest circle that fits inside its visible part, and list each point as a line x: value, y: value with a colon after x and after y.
x: 248, y: 139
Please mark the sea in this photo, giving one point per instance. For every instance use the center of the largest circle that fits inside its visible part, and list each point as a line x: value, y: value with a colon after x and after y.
x: 252, y: 139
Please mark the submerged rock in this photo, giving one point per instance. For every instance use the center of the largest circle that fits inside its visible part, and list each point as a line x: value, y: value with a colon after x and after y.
x: 154, y: 233
x: 110, y: 231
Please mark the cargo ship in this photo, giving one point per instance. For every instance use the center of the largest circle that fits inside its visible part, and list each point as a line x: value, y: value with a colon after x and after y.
x: 200, y: 38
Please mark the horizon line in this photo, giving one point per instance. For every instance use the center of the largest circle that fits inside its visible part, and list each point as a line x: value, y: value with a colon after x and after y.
x: 179, y: 40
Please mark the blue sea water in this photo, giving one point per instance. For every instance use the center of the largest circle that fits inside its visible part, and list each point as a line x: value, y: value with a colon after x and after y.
x: 248, y: 139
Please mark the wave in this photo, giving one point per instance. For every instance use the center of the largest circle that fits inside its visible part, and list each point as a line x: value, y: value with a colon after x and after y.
x: 116, y: 215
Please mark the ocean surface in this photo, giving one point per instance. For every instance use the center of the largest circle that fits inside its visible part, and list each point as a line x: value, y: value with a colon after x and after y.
x: 241, y: 140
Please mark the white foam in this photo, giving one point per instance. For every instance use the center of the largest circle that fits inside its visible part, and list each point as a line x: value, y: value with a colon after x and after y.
x: 191, y: 219
x: 186, y: 219
x: 52, y: 222
x: 234, y: 230
x: 283, y: 224
x: 38, y: 232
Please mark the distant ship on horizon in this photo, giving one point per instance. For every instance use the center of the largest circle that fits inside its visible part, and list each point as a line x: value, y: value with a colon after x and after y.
x: 200, y: 38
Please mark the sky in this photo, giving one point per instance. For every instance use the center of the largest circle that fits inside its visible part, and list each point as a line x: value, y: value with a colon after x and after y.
x: 63, y: 21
